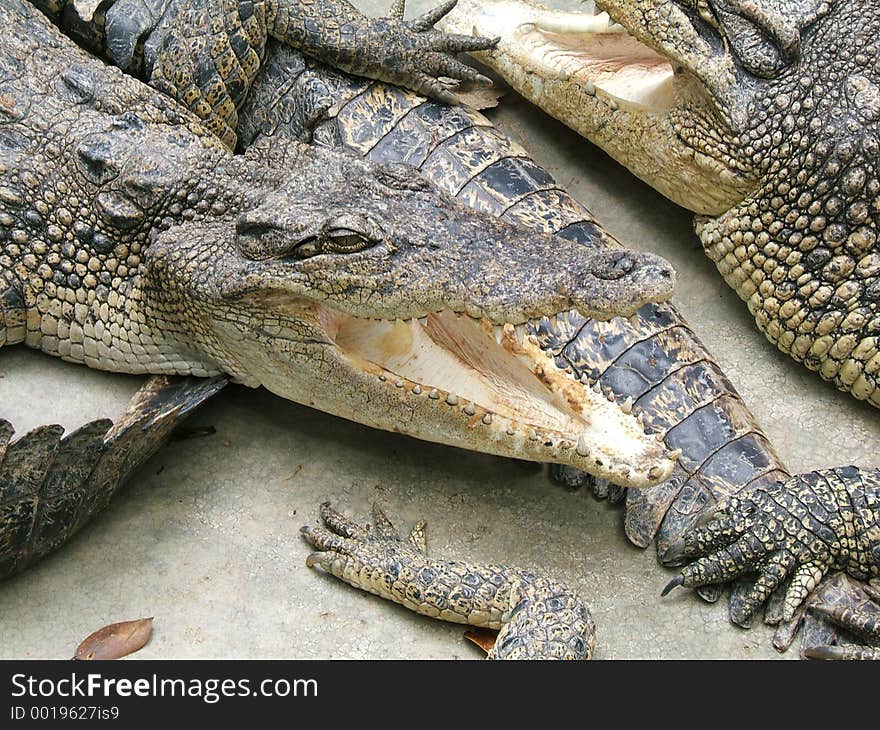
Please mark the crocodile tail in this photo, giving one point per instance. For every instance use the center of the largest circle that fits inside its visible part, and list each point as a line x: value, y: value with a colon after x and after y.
x: 51, y: 485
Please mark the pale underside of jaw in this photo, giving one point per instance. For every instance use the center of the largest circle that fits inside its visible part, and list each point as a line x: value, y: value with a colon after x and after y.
x: 510, y: 393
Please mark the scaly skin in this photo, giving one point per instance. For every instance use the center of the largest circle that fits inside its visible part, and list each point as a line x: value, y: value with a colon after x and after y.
x: 306, y: 132
x: 652, y: 359
x: 764, y: 118
x: 134, y: 241
x: 50, y: 486
x: 206, y: 53
x: 536, y: 617
x: 792, y: 535
x: 859, y: 617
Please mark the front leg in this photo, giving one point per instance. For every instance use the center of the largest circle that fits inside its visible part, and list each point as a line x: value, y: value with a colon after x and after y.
x: 409, y: 53
x: 537, y: 618
x: 791, y: 533
x: 209, y: 52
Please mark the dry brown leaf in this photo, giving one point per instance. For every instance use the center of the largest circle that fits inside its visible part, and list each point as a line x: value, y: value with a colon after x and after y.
x: 484, y: 638
x: 116, y: 640
x: 480, y: 97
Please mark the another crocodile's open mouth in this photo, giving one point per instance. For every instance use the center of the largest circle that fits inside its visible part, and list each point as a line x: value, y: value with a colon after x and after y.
x: 627, y: 97
x: 617, y: 65
x: 493, y: 388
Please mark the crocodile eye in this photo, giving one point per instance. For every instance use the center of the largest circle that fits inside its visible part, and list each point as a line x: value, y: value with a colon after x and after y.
x: 344, y: 240
x: 334, y: 241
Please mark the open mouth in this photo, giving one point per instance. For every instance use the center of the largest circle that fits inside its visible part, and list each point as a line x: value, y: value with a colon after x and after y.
x: 640, y: 103
x: 500, y: 392
x: 601, y: 52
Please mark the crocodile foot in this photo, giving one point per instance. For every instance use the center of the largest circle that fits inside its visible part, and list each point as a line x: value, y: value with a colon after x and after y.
x: 791, y: 534
x: 411, y: 53
x: 536, y: 617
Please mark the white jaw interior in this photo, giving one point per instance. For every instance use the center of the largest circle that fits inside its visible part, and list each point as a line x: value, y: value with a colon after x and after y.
x: 473, y: 385
x: 602, y: 53
x: 490, y: 366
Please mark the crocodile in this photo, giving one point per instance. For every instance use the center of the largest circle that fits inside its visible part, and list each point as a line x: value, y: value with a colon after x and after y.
x: 206, y: 53
x: 467, y: 156
x: 134, y: 241
x: 680, y: 391
x: 761, y: 117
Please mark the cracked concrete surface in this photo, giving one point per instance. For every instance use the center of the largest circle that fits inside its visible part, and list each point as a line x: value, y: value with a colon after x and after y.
x: 206, y: 536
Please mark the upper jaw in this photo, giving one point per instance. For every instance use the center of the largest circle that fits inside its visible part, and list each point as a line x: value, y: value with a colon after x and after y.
x: 645, y: 85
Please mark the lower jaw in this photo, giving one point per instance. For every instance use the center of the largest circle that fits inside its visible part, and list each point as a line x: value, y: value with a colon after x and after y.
x: 457, y: 382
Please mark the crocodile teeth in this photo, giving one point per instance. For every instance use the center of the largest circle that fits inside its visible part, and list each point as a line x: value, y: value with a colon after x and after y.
x: 579, y: 23
x: 501, y: 379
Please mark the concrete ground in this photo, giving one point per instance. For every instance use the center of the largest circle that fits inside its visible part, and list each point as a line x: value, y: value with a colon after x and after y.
x: 205, y: 538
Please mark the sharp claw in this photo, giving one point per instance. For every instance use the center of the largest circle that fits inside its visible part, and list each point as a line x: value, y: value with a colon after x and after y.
x: 674, y: 583
x: 480, y: 79
x: 313, y: 560
x: 427, y: 20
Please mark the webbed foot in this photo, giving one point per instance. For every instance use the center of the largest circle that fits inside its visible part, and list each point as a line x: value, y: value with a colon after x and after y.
x: 413, y: 54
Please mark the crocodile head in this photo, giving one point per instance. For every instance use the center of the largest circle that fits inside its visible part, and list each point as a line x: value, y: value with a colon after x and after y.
x: 365, y: 292
x: 763, y: 116
x: 137, y: 243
